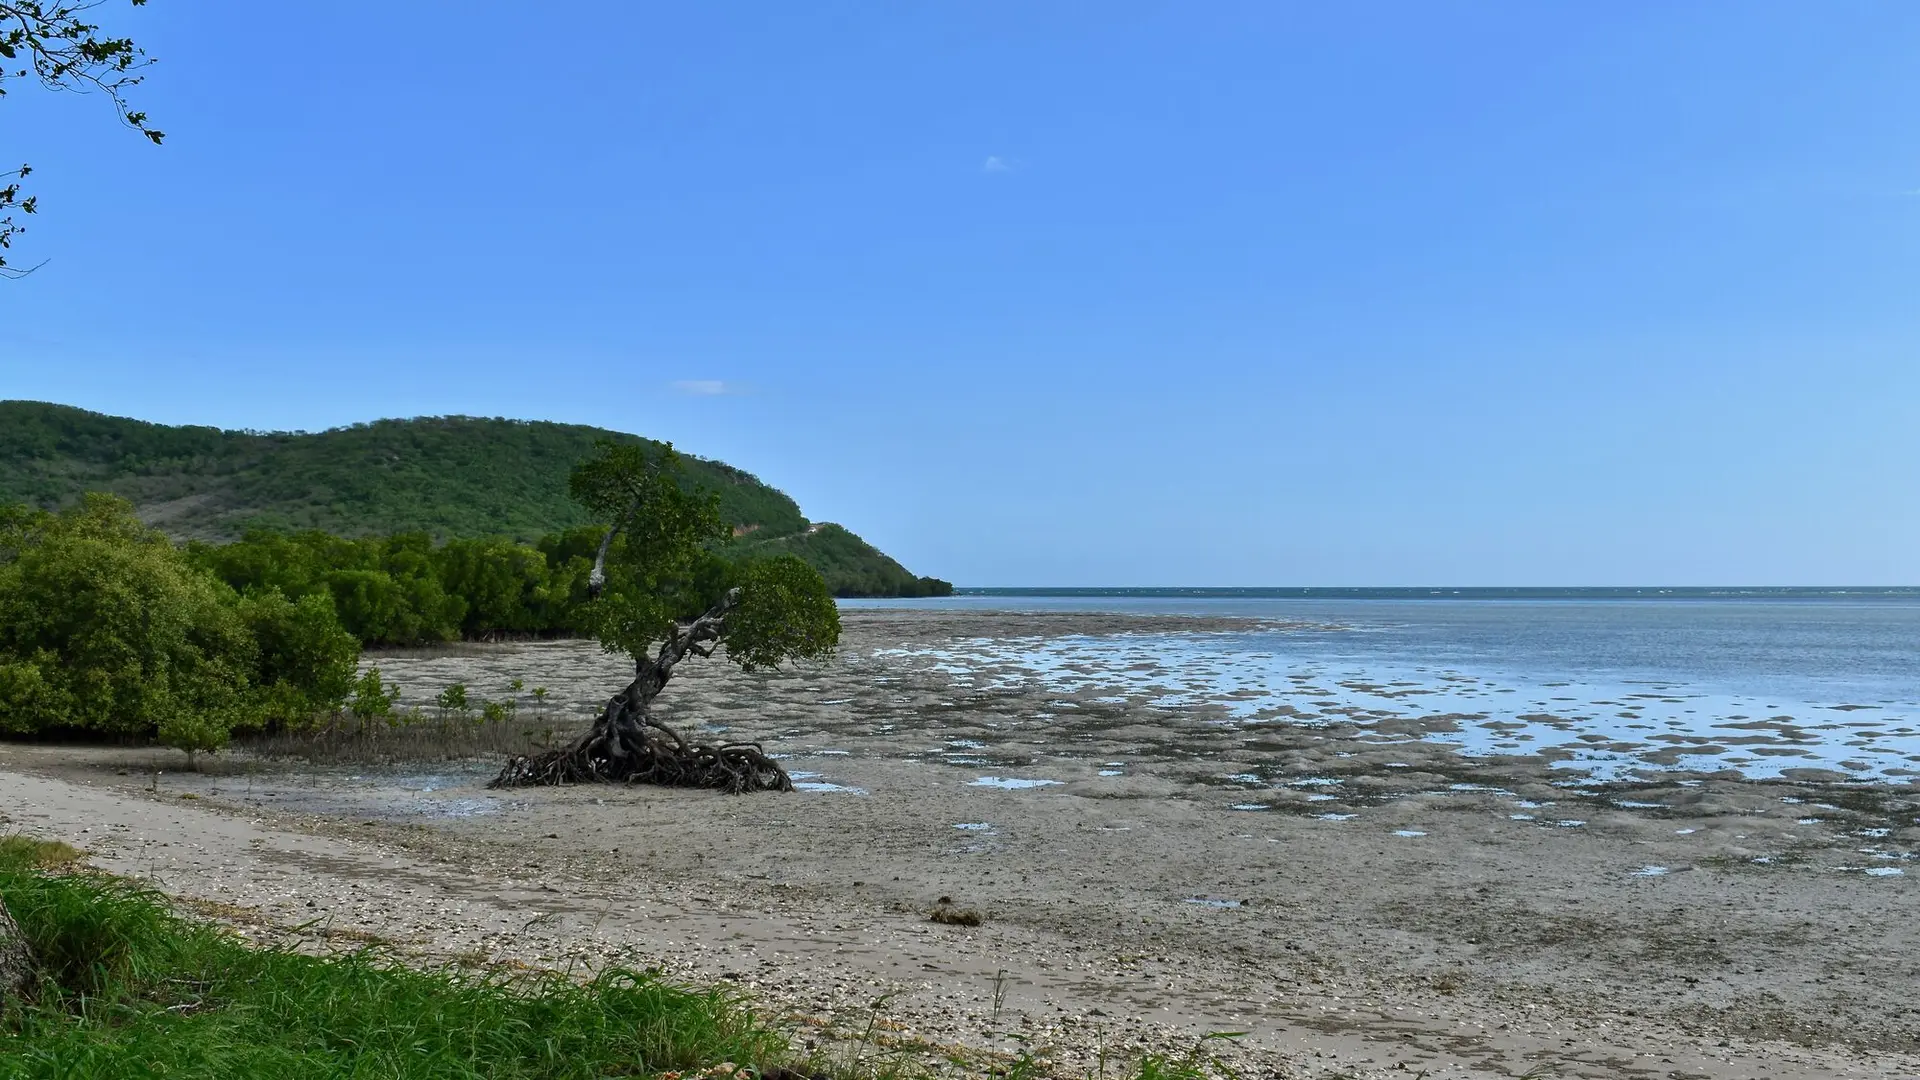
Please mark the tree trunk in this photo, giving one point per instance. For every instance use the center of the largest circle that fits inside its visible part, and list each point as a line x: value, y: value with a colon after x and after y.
x: 16, y: 961
x: 626, y: 744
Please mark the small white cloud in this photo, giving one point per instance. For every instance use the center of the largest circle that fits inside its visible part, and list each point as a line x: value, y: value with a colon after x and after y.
x: 997, y: 164
x: 702, y: 387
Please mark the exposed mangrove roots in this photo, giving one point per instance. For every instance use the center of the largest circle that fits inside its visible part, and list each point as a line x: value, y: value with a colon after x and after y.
x: 647, y: 752
x: 627, y: 745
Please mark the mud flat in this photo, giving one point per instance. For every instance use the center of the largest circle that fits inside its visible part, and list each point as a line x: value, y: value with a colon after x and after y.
x: 1349, y: 889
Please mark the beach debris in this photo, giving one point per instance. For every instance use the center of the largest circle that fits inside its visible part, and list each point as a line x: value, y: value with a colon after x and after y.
x: 947, y: 913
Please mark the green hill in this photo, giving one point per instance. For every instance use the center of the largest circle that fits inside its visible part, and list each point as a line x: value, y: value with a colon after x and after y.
x: 452, y: 476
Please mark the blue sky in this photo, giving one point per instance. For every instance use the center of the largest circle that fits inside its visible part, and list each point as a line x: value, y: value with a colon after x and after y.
x: 1029, y: 293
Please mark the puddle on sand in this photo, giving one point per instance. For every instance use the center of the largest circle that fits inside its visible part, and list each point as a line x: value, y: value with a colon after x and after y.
x: 1883, y: 871
x: 972, y: 826
x: 448, y: 808
x: 1009, y: 783
x: 1249, y: 806
x: 1408, y: 832
x: 1336, y: 817
x: 1651, y: 871
x: 1111, y: 772
x: 822, y: 785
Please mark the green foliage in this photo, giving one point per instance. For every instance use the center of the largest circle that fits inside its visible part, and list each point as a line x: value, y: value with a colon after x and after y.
x: 660, y: 568
x: 131, y: 989
x: 448, y: 476
x: 506, y: 587
x: 434, y: 477
x: 372, y: 699
x: 201, y: 730
x: 385, y: 591
x: 663, y: 568
x: 105, y: 627
x: 306, y: 658
x: 851, y: 566
x: 453, y: 699
x: 784, y: 613
x: 671, y: 558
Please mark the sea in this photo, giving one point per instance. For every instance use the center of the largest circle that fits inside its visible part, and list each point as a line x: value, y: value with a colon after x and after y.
x: 1612, y: 683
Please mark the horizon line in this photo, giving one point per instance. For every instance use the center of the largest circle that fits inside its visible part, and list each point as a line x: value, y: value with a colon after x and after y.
x: 1429, y: 588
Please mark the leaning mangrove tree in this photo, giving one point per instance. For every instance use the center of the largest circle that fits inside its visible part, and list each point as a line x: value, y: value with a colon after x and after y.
x: 660, y: 592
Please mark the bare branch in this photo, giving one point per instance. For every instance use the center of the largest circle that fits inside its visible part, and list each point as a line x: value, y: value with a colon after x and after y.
x: 597, y: 579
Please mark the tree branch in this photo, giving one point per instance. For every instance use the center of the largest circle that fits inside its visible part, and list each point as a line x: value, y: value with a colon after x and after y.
x: 597, y: 580
x: 52, y: 41
x: 685, y: 639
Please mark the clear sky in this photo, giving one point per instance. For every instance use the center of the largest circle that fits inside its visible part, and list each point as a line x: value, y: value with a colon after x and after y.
x: 1033, y: 293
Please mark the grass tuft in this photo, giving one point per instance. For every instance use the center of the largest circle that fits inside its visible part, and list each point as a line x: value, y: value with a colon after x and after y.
x: 947, y: 913
x: 130, y: 988
x: 27, y: 853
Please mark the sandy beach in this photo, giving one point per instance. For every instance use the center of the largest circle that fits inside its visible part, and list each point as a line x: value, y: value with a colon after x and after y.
x: 1356, y: 903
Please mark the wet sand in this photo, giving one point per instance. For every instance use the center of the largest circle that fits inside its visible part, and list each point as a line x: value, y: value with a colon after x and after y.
x: 1354, y: 898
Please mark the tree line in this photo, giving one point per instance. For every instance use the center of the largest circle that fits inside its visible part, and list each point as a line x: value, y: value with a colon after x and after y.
x: 108, y: 627
x: 406, y: 589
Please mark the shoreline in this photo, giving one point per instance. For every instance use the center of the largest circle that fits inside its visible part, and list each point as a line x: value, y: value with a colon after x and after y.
x: 1398, y: 915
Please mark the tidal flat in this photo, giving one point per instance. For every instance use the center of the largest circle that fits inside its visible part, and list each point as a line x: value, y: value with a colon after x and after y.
x: 1156, y: 852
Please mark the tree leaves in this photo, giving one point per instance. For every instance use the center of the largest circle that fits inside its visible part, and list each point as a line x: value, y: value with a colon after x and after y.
x: 668, y: 563
x: 659, y: 567
x: 126, y: 637
x: 106, y: 627
x: 784, y: 613
x: 64, y: 51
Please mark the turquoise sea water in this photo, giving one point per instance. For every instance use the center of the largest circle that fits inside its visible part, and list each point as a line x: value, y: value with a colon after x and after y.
x: 1760, y: 681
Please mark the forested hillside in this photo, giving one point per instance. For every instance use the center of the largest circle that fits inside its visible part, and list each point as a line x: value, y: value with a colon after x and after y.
x: 449, y: 477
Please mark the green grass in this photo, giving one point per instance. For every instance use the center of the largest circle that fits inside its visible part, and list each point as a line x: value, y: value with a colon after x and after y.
x: 131, y: 989
x: 24, y: 852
